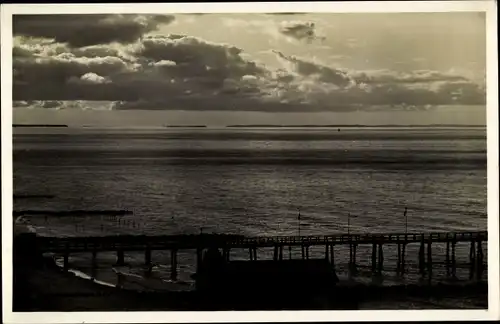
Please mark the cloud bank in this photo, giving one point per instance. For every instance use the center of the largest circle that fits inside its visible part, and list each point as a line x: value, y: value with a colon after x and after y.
x: 113, y: 58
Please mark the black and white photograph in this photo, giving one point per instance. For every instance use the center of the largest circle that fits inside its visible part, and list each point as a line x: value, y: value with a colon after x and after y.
x: 205, y: 160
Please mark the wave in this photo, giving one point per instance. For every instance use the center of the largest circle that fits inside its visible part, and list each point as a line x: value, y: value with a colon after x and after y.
x: 60, y: 263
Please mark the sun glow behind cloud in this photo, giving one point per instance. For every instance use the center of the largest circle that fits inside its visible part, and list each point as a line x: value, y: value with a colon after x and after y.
x: 249, y: 62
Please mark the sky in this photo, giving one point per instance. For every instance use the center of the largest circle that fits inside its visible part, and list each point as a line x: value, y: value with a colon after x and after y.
x: 217, y: 69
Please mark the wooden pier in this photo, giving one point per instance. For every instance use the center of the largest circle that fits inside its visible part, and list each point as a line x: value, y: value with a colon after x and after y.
x: 123, y: 243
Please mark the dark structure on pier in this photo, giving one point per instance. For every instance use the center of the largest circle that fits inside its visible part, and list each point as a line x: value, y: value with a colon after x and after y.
x: 284, y: 276
x: 267, y: 284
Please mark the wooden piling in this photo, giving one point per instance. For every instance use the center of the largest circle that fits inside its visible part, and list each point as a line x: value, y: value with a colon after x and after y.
x: 173, y: 264
x: 66, y: 262
x: 120, y: 257
x: 303, y: 251
x: 350, y: 255
x: 448, y: 272
x: 429, y: 257
x: 94, y: 258
x: 225, y: 253
x: 374, y: 258
x: 398, y: 266
x: 290, y: 252
x: 380, y: 259
x: 421, y: 258
x: 281, y: 253
x: 275, y: 255
x: 472, y: 259
x: 255, y: 253
x: 199, y: 258
x: 119, y: 279
x: 250, y: 251
x: 353, y: 267
x: 307, y: 252
x: 453, y: 260
x: 147, y: 256
x: 403, y: 262
x: 332, y: 256
x: 326, y: 252
x: 479, y: 261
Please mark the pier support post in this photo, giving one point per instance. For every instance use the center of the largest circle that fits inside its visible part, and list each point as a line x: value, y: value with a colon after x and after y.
x: 303, y: 251
x: 479, y: 258
x: 380, y: 259
x: 120, y: 258
x: 199, y: 258
x: 66, y: 262
x: 290, y: 252
x: 403, y: 261
x: 429, y: 258
x: 453, y: 260
x: 94, y: 257
x: 421, y: 258
x: 398, y: 266
x: 281, y: 253
x: 472, y: 258
x: 326, y: 252
x: 350, y: 256
x: 255, y: 253
x: 119, y: 279
x: 374, y: 258
x: 448, y: 272
x: 332, y: 256
x: 307, y: 252
x: 250, y: 252
x: 352, y: 265
x: 173, y: 264
x: 225, y: 253
x: 275, y: 256
x: 147, y: 256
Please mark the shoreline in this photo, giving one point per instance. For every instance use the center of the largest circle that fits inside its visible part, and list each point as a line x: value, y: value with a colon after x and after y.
x: 43, y: 286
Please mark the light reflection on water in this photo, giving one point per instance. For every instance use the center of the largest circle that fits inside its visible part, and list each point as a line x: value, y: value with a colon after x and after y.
x: 253, y: 183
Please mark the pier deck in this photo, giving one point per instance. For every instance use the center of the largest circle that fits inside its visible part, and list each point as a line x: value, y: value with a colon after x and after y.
x: 203, y: 242
x: 181, y: 242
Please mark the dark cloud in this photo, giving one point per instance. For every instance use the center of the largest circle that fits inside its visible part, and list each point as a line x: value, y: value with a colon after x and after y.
x: 323, y: 73
x: 189, y: 73
x: 300, y: 30
x: 386, y: 76
x: 85, y: 30
x: 196, y: 59
x: 39, y: 71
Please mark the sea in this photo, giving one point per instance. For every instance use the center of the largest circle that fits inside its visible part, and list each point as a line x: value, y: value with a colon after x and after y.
x: 254, y: 182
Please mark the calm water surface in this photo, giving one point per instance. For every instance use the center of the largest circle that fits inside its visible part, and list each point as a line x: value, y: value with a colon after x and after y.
x: 252, y: 182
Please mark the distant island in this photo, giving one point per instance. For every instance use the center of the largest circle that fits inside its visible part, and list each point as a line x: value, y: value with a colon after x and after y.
x: 345, y: 126
x: 185, y: 126
x: 37, y: 125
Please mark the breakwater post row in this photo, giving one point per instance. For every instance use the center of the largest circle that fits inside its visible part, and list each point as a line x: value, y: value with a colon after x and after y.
x: 201, y: 243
